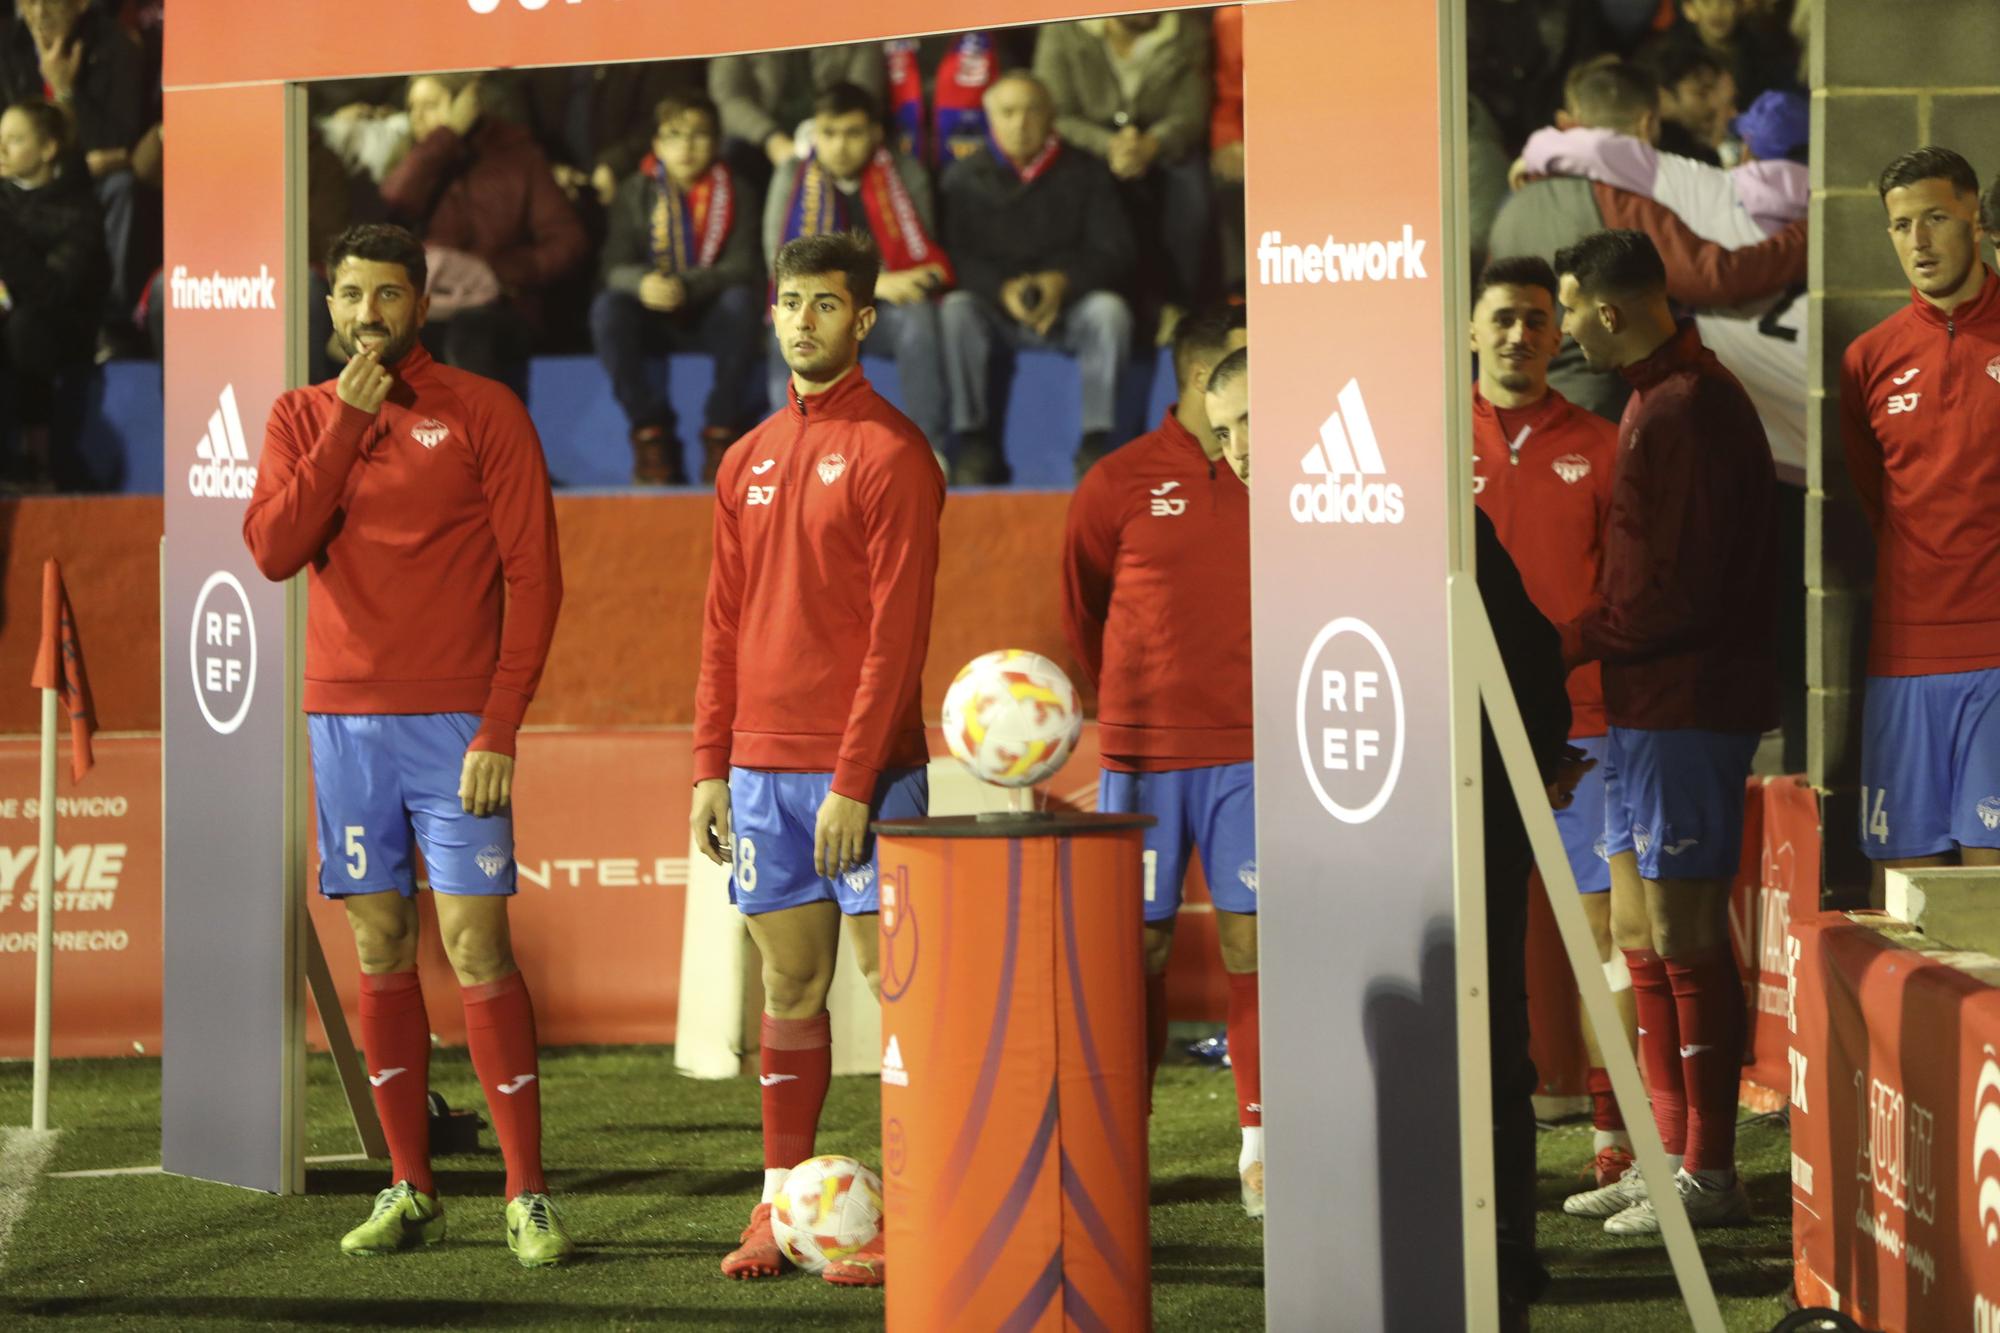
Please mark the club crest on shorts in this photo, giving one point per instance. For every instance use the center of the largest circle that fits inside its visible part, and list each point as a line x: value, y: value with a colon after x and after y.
x: 430, y: 432
x: 1246, y: 875
x: 831, y: 467
x: 1642, y: 839
x: 1993, y: 369
x: 1989, y: 812
x: 492, y: 859
x: 860, y: 879
x: 1572, y: 468
x: 1603, y: 851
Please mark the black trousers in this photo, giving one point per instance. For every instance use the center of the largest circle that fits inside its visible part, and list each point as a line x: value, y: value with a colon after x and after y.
x: 1508, y: 863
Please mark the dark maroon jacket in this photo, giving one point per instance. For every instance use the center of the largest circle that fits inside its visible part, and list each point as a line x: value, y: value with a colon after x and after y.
x: 1687, y: 589
x: 490, y: 193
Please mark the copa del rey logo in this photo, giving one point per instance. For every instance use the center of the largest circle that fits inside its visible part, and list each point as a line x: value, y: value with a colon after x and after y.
x: 1345, y: 470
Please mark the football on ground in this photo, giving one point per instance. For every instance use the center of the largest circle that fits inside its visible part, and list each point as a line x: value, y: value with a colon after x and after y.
x: 830, y: 1207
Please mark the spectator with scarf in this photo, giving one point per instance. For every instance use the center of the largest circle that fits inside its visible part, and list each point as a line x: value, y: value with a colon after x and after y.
x: 1042, y: 248
x: 681, y: 273
x: 955, y: 70
x: 850, y: 180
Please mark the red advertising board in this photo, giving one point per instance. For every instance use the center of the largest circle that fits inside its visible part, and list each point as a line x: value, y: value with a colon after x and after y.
x: 1895, y: 1107
x: 1783, y: 882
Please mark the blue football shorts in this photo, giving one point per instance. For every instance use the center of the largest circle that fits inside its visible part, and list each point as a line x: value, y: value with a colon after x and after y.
x: 1675, y: 798
x: 1212, y: 809
x: 380, y: 779
x: 1582, y: 825
x: 1930, y: 764
x: 773, y: 816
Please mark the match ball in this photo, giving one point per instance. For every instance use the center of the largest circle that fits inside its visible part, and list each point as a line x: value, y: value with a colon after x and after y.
x: 1012, y: 717
x: 829, y: 1208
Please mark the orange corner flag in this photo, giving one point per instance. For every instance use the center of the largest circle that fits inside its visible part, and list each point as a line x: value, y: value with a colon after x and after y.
x: 59, y: 667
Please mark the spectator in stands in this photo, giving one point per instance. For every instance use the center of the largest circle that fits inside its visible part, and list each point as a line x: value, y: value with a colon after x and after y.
x: 1041, y: 246
x: 1225, y: 144
x: 78, y: 57
x: 593, y: 122
x: 681, y: 273
x: 852, y: 181
x: 1697, y: 99
x: 950, y: 74
x: 1545, y: 215
x: 765, y: 98
x: 1133, y: 90
x: 495, y: 226
x: 53, y: 272
x: 1755, y: 49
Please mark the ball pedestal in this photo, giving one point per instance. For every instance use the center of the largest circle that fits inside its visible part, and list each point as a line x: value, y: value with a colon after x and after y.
x: 1015, y: 1172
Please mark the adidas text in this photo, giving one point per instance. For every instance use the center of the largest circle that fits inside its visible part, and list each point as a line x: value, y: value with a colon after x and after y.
x: 258, y: 291
x: 1345, y: 471
x: 225, y: 471
x: 1279, y: 264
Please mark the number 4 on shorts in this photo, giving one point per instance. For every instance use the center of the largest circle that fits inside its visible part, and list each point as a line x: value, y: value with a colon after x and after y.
x: 1875, y: 814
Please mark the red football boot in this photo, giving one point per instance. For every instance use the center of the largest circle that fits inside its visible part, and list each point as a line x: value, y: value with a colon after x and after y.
x: 866, y: 1267
x: 758, y: 1255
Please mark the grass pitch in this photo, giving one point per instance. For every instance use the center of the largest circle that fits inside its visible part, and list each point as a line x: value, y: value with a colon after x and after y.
x: 655, y: 1174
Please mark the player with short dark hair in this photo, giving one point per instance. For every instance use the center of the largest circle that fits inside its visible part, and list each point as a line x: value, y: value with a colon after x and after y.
x: 416, y: 496
x: 808, y: 721
x: 1683, y: 624
x: 1158, y: 542
x: 1920, y: 413
x: 1542, y: 472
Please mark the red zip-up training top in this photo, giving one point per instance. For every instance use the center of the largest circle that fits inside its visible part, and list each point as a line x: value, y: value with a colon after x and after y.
x: 431, y: 538
x: 1920, y: 413
x: 1685, y: 611
x: 819, y: 599
x: 1543, y: 474
x: 1156, y: 602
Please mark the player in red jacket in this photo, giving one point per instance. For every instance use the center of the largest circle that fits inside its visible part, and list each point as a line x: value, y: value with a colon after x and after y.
x: 807, y: 718
x: 1156, y: 607
x: 1683, y: 623
x: 1542, y: 472
x: 416, y: 496
x: 1920, y: 413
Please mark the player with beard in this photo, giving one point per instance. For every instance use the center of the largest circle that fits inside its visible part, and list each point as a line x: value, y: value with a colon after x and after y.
x: 807, y: 718
x: 1542, y: 471
x: 1920, y: 412
x: 416, y: 496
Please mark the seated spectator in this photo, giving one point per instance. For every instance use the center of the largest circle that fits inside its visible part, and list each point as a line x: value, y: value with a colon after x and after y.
x: 1546, y: 215
x: 1225, y: 145
x: 1133, y: 90
x: 851, y: 181
x: 765, y: 98
x: 480, y: 194
x: 76, y: 55
x: 681, y: 273
x: 1041, y: 246
x: 1757, y: 52
x: 1697, y: 95
x: 53, y: 271
x: 951, y: 74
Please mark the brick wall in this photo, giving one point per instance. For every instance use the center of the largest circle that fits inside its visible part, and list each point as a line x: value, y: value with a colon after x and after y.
x: 1888, y: 76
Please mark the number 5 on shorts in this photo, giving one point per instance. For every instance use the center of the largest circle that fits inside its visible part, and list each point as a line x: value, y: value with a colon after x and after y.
x: 357, y: 855
x: 1876, y: 814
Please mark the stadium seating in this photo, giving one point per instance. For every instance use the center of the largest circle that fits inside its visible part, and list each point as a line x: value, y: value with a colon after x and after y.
x: 584, y: 435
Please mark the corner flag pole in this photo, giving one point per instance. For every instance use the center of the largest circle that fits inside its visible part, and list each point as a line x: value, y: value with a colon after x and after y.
x: 45, y: 912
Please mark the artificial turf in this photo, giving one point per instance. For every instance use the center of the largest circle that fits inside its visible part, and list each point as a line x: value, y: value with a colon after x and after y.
x: 654, y: 1175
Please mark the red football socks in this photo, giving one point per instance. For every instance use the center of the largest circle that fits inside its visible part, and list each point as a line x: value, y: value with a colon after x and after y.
x: 1245, y: 1048
x: 396, y: 1038
x: 796, y: 1060
x: 1659, y: 1047
x: 500, y: 1029
x: 1604, y: 1113
x: 1708, y: 1000
x: 1156, y: 1030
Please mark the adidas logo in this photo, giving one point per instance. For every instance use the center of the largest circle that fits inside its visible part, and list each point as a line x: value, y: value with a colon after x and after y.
x: 1346, y: 449
x: 892, y: 1064
x: 225, y: 471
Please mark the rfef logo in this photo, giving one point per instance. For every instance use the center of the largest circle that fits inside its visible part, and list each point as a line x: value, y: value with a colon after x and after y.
x: 1346, y: 463
x: 1350, y: 712
x: 222, y: 652
x: 225, y: 471
x: 219, y: 291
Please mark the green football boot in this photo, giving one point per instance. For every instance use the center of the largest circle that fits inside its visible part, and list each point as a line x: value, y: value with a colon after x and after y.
x: 535, y: 1234
x: 403, y: 1216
